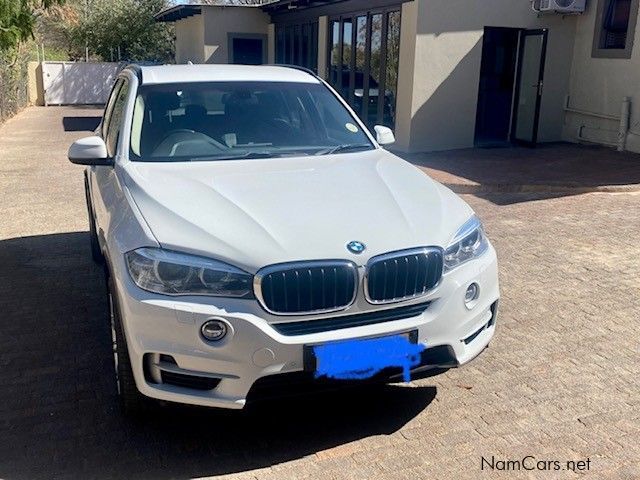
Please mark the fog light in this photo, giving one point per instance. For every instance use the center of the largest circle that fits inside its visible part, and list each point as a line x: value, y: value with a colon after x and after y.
x: 472, y: 294
x: 214, y: 330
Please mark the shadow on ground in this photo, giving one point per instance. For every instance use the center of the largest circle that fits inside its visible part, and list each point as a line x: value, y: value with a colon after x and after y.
x: 502, y: 199
x: 58, y: 408
x: 556, y: 169
x: 80, y: 124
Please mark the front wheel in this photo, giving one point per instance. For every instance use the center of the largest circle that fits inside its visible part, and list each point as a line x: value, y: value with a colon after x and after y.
x: 132, y: 401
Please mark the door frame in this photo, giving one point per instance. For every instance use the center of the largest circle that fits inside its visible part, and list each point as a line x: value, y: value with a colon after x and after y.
x: 507, y: 138
x: 543, y: 58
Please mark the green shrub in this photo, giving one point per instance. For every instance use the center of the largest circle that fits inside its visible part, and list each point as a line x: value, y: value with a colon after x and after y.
x: 14, y: 82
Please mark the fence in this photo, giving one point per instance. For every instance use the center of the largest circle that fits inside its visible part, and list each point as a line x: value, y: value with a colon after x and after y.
x: 14, y: 85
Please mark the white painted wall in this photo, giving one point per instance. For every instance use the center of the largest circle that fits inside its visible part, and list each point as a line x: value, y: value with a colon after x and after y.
x: 78, y: 83
x: 220, y: 21
x: 190, y: 40
x: 599, y: 84
x: 446, y: 73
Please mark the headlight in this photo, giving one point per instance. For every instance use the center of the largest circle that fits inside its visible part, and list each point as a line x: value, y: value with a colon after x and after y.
x: 470, y: 242
x: 172, y: 273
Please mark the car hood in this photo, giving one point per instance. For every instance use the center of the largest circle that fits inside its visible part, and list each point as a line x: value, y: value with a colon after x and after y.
x: 253, y: 213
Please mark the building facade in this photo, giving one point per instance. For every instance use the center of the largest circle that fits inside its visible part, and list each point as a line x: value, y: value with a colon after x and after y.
x: 444, y: 74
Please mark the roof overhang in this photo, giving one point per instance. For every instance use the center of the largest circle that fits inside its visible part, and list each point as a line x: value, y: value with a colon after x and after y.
x: 186, y: 10
x: 284, y: 6
x: 178, y: 12
x: 283, y: 11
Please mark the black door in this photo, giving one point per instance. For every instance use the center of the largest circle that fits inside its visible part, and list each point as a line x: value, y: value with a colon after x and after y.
x: 248, y: 51
x: 530, y: 80
x: 497, y: 81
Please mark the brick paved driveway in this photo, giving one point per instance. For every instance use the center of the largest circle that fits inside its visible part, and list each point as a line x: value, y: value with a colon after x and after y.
x: 561, y: 380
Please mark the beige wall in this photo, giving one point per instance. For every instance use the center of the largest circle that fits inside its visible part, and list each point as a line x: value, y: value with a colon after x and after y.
x: 220, y: 21
x: 404, y: 101
x: 36, y: 87
x: 190, y: 40
x: 447, y: 58
x: 598, y: 85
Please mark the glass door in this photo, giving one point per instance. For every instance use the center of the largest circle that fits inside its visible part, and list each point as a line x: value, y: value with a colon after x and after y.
x: 297, y: 44
x: 364, y: 50
x: 528, y: 95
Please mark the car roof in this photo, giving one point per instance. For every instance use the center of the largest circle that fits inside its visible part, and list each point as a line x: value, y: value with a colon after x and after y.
x: 153, y: 75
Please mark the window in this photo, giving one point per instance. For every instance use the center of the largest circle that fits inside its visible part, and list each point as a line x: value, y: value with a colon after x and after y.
x: 364, y: 51
x: 616, y: 24
x: 240, y: 120
x: 298, y: 45
x: 109, y: 108
x: 615, y: 28
x: 334, y: 53
x: 247, y: 49
x: 114, y: 126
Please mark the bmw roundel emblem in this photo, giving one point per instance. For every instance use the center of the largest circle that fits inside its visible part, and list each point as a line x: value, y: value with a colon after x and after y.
x: 356, y: 247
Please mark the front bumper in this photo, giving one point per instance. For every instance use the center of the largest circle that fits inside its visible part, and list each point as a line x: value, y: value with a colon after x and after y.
x: 164, y: 333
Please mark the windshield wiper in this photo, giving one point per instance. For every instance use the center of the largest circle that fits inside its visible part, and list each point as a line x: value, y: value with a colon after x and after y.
x: 242, y: 156
x: 344, y: 148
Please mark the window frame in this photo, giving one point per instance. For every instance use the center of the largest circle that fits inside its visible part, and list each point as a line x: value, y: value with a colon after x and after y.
x: 598, y: 51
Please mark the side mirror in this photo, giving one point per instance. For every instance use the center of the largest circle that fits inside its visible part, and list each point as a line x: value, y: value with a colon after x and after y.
x: 384, y: 135
x: 89, y: 151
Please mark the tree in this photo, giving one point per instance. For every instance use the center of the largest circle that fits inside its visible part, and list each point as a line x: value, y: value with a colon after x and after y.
x: 18, y: 20
x: 120, y: 30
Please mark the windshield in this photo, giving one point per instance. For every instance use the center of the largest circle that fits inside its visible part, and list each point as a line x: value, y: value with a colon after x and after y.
x: 233, y: 120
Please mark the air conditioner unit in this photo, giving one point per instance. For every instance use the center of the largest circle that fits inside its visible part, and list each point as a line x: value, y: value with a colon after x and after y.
x: 562, y: 6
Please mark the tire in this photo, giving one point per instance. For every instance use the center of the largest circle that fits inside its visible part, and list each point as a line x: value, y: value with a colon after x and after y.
x: 96, y: 252
x: 132, y: 402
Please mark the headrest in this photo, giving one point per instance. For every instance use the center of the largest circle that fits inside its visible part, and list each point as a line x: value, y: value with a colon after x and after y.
x: 195, y: 111
x: 162, y: 101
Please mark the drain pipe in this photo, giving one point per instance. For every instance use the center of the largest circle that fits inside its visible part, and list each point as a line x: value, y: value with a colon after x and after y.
x: 624, y: 124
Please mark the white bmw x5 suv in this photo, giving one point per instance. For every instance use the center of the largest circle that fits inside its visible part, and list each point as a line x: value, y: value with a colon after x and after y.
x: 255, y: 233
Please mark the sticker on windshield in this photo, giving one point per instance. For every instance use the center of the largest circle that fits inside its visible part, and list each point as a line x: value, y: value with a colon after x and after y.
x: 351, y: 127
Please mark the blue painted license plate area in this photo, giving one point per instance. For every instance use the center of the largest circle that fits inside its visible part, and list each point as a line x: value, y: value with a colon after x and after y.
x: 362, y: 359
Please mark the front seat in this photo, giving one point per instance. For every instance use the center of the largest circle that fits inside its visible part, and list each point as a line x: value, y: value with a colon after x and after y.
x: 196, y: 118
